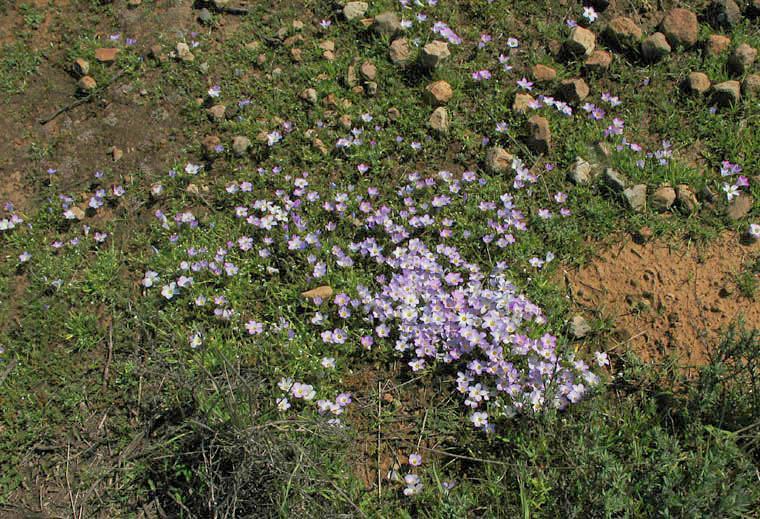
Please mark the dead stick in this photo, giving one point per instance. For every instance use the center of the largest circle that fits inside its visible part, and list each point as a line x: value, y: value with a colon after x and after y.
x: 110, y: 354
x: 379, y: 472
x: 7, y: 371
x: 82, y: 100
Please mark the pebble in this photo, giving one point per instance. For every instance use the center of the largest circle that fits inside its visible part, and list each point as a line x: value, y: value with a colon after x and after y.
x: 655, y: 47
x: 107, y: 55
x: 540, y: 138
x: 742, y: 59
x: 438, y: 93
x: 579, y: 327
x: 521, y: 104
x: 399, y: 51
x: 680, y: 27
x: 636, y: 196
x: 739, y: 206
x: 309, y: 95
x: 323, y: 292
x: 581, y: 42
x: 615, y: 179
x: 354, y: 10
x: 439, y: 119
x: 717, y: 44
x: 697, y: 83
x: 663, y: 198
x: 727, y: 93
x: 87, y: 84
x: 542, y: 73
x: 434, y: 53
x: 498, y: 160
x: 581, y: 172
x: 599, y: 60
x: 573, y: 90
x: 240, y: 145
x: 387, y: 24
x: 81, y: 67
x: 622, y: 32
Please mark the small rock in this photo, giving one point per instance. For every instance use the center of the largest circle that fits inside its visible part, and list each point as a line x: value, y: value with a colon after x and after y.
x: 581, y: 42
x: 368, y: 70
x: 542, y: 73
x: 439, y: 120
x: 156, y: 52
x: 216, y: 113
x: 358, y: 90
x: 663, y: 198
x: 434, y: 53
x: 393, y: 113
x: 296, y: 38
x: 351, y: 78
x: 724, y: 12
x: 210, y: 142
x: 328, y: 55
x: 622, y: 32
x: 726, y: 93
x: 107, y: 55
x: 655, y: 47
x: 81, y: 67
x: 253, y: 45
x: 636, y: 196
x: 599, y: 60
x: 680, y: 27
x: 643, y: 235
x: 739, y: 206
x: 309, y: 95
x: 717, y: 44
x: 345, y: 121
x: 87, y: 84
x: 327, y: 45
x: 297, y: 25
x: 261, y: 59
x: 323, y: 292
x: 615, y: 179
x: 573, y: 90
x: 697, y: 83
x: 296, y: 55
x: 371, y: 88
x: 387, y: 23
x: 438, y: 93
x: 134, y: 4
x: 78, y: 213
x: 751, y: 85
x: 183, y: 52
x: 521, y: 103
x: 579, y: 327
x: 742, y: 58
x: 317, y: 143
x: 205, y: 16
x: 221, y: 4
x: 498, y: 160
x: 581, y: 172
x: 399, y: 51
x: 540, y: 138
x: 240, y: 145
x: 192, y: 189
x: 116, y: 153
x: 354, y: 10
x: 686, y: 198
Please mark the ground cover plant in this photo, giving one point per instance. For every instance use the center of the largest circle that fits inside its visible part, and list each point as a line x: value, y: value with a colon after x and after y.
x: 303, y: 258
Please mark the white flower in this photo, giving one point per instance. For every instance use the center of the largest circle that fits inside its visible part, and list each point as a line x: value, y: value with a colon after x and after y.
x: 150, y: 278
x: 479, y: 419
x: 168, y: 291
x: 589, y: 14
x: 601, y: 359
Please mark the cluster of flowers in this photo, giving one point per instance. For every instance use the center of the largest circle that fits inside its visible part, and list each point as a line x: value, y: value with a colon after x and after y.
x: 732, y: 190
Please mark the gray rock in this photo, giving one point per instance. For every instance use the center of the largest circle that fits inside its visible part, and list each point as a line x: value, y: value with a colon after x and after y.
x: 725, y: 12
x: 636, y: 196
x: 581, y: 172
x: 655, y: 47
x: 240, y: 145
x: 579, y: 327
x: 434, y: 53
x: 727, y: 93
x: 739, y: 206
x: 751, y: 85
x: 387, y: 23
x: 498, y: 160
x: 581, y: 42
x: 742, y: 59
x: 663, y: 198
x: 399, y: 51
x: 540, y: 137
x: 697, y: 83
x: 354, y: 10
x: 205, y: 16
x: 216, y: 113
x: 686, y: 198
x: 439, y: 120
x: 615, y: 179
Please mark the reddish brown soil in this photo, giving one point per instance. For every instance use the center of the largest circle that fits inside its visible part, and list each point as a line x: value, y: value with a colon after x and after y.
x: 668, y: 298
